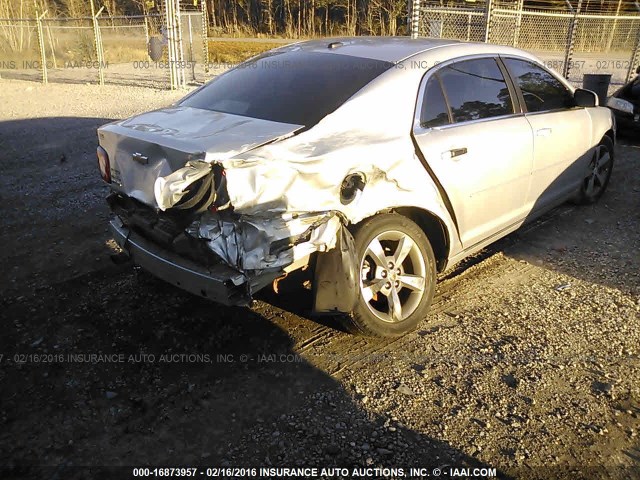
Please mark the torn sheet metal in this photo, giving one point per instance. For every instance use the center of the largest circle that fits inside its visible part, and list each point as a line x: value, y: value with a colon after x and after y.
x: 368, y: 135
x: 246, y: 243
x: 275, y: 171
x: 171, y: 137
x: 169, y: 190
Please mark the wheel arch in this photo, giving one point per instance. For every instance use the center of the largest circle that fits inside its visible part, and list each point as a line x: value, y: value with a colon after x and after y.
x: 435, y: 230
x: 612, y: 136
x: 431, y: 224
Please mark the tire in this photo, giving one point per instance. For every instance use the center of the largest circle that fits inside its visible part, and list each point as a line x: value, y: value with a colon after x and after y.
x: 598, y: 174
x: 379, y: 242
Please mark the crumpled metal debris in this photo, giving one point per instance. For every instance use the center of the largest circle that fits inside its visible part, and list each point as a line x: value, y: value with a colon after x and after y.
x: 246, y: 243
x: 171, y: 189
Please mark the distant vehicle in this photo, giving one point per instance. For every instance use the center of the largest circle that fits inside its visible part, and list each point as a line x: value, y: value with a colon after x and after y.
x: 376, y: 161
x: 625, y: 104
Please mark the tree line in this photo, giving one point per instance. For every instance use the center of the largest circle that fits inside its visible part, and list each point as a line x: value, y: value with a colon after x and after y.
x: 290, y: 18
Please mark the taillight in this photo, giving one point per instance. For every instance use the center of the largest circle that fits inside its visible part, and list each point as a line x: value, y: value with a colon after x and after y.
x: 103, y: 164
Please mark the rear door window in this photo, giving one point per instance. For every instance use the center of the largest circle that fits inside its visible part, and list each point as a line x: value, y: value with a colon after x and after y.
x: 476, y: 89
x: 434, y: 112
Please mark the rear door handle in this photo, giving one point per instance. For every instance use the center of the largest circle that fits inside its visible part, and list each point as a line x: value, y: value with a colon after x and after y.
x: 543, y: 132
x: 454, y: 152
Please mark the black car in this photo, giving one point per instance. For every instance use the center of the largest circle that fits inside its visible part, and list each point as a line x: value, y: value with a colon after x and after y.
x: 625, y: 104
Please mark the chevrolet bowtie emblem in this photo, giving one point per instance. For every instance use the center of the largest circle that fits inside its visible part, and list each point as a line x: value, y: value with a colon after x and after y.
x: 140, y: 158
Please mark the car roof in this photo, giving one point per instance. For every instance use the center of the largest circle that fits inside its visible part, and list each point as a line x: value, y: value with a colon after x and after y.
x: 394, y: 49
x: 388, y: 49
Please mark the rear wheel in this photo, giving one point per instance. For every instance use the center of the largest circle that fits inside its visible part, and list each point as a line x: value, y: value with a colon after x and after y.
x: 598, y: 173
x: 396, y: 276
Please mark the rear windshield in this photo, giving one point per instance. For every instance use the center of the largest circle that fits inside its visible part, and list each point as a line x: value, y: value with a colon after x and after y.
x: 289, y: 87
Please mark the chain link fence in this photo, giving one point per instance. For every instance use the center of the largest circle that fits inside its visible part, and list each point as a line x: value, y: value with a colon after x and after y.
x: 102, y: 49
x: 448, y: 22
x: 572, y: 37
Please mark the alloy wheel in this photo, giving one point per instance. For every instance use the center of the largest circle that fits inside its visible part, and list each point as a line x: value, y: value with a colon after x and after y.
x: 392, y: 276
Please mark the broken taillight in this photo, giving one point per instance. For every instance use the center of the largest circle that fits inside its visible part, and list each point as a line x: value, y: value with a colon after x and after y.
x: 103, y: 164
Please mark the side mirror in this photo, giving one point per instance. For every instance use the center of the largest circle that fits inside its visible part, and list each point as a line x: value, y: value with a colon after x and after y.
x: 585, y: 98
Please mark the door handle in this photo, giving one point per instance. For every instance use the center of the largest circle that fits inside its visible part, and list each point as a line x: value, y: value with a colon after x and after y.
x: 543, y: 132
x: 454, y: 152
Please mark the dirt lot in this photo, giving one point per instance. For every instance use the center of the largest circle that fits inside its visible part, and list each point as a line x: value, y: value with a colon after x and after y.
x: 529, y: 363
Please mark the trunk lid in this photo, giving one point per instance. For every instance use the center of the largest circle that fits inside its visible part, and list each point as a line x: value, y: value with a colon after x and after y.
x: 155, y: 144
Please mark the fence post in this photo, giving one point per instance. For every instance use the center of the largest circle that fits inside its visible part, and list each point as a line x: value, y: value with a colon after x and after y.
x: 635, y: 55
x: 205, y: 35
x: 571, y: 36
x: 51, y: 47
x: 43, y: 55
x: 635, y: 59
x: 488, y: 19
x: 176, y: 55
x: 170, y: 43
x: 97, y: 39
x: 146, y: 30
x: 180, y: 65
x: 414, y: 9
x: 615, y: 25
x: 516, y: 34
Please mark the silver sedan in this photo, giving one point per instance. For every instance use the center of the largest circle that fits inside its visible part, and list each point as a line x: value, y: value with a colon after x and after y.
x: 378, y: 162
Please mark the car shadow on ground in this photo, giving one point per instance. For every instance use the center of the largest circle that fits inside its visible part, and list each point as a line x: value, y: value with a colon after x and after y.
x: 176, y: 380
x: 596, y: 243
x: 106, y: 365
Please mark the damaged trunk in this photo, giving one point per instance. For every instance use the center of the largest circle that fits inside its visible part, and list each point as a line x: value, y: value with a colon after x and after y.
x: 156, y: 144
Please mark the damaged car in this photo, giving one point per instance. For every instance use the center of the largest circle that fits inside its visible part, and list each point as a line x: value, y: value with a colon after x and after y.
x: 625, y: 104
x: 376, y: 162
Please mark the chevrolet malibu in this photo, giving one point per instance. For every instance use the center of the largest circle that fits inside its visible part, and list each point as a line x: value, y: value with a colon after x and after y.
x: 376, y: 162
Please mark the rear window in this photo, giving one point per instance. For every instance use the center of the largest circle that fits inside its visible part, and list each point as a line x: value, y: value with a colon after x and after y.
x: 289, y: 87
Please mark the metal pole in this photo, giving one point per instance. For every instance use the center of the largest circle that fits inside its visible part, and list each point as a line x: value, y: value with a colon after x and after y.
x: 488, y: 18
x: 205, y: 35
x: 101, y: 61
x: 615, y: 25
x: 51, y: 47
x: 190, y: 39
x: 43, y: 55
x: 170, y: 45
x: 415, y: 17
x: 97, y: 39
x: 192, y: 64
x: 571, y: 36
x: 146, y: 31
x: 516, y: 35
x: 635, y: 59
x: 181, y: 64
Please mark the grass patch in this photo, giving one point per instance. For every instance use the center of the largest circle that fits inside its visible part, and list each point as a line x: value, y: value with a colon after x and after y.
x: 236, y: 52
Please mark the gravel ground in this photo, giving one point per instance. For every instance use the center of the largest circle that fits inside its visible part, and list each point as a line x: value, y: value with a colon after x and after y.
x: 529, y: 363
